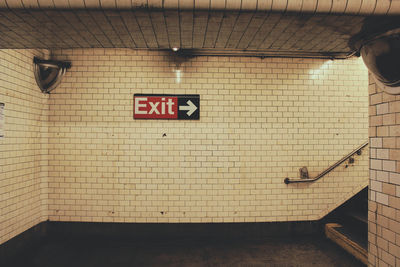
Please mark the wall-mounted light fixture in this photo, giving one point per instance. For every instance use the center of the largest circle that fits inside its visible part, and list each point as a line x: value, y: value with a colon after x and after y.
x: 381, y: 55
x: 378, y: 43
x: 48, y: 73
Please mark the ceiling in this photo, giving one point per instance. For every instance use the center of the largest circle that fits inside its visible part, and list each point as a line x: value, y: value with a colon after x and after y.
x: 199, y: 31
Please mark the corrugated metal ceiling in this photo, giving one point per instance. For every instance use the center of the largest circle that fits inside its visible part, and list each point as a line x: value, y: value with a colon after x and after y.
x: 284, y: 27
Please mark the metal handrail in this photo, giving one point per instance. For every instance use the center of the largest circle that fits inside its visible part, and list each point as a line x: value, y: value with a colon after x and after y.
x: 329, y: 169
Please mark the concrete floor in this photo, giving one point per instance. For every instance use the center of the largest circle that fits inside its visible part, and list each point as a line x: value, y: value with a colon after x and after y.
x: 299, y: 251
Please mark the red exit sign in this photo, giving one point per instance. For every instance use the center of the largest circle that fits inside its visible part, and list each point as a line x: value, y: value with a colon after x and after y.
x: 166, y: 107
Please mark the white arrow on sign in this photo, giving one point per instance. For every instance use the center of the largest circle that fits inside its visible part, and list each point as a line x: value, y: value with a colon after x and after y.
x: 190, y: 108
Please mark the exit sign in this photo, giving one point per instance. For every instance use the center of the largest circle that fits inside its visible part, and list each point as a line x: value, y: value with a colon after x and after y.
x: 166, y: 107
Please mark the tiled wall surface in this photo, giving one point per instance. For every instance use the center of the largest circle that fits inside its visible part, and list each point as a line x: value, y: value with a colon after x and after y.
x: 261, y: 120
x: 23, y: 150
x: 384, y: 205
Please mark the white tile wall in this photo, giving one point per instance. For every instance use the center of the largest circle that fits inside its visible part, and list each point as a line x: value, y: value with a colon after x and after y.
x: 261, y: 120
x: 24, y: 148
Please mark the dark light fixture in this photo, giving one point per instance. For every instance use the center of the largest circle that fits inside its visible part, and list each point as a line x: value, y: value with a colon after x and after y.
x: 48, y: 73
x: 381, y: 55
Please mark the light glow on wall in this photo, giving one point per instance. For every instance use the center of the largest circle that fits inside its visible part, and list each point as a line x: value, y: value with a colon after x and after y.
x: 178, y: 75
x: 319, y: 73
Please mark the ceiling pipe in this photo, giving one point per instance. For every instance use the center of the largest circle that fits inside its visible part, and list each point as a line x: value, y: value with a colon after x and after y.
x: 349, y: 7
x: 262, y: 53
x: 48, y: 73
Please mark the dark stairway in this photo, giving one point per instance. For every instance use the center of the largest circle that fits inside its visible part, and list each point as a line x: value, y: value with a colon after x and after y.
x: 347, y: 226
